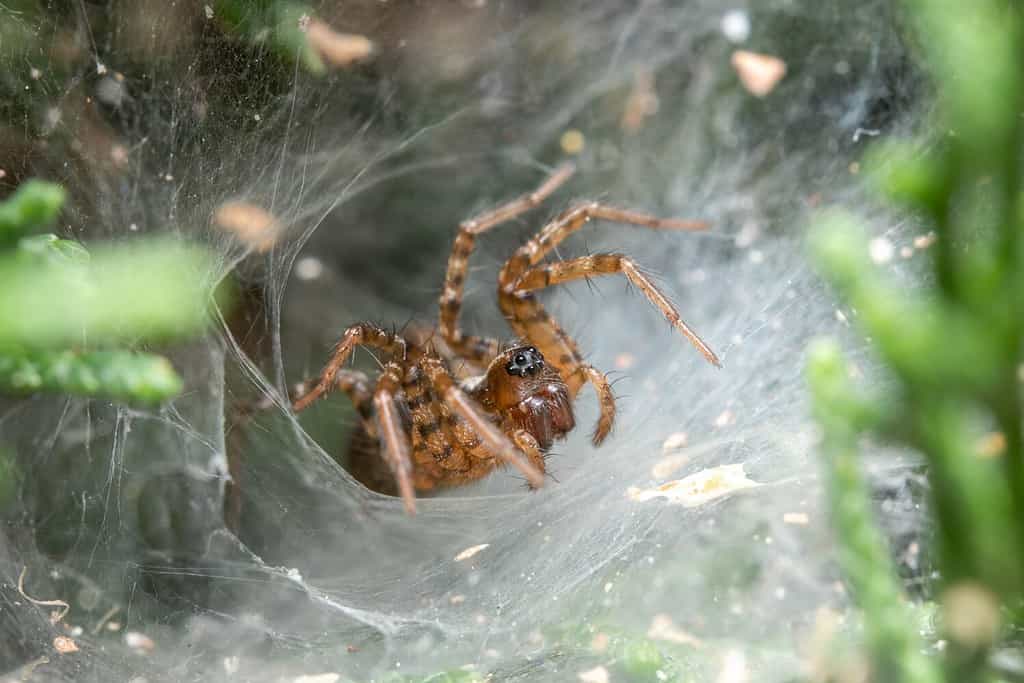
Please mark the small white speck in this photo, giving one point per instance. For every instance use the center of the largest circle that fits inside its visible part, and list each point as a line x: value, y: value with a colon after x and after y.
x: 924, y: 241
x: 322, y: 678
x: 906, y: 252
x: 756, y: 256
x: 257, y: 117
x: 231, y: 665
x: 133, y: 227
x: 168, y: 177
x: 840, y: 316
x: 138, y: 641
x: 871, y: 132
x: 101, y: 68
x: 35, y: 73
x: 598, y: 674
x: 309, y: 268
x: 208, y: 11
x: 674, y: 442
x: 726, y: 418
x: 780, y: 593
x: 881, y: 250
x: 608, y: 587
x: 747, y: 235
x: 736, y: 26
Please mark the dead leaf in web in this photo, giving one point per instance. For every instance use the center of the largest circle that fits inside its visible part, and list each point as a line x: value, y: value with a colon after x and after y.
x: 699, y: 488
x: 471, y: 551
x: 64, y: 645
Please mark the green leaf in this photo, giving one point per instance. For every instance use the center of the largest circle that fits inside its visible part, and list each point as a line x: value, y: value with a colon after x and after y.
x: 921, y: 336
x: 35, y: 205
x: 153, y: 290
x: 891, y: 636
x: 118, y: 375
x: 51, y: 248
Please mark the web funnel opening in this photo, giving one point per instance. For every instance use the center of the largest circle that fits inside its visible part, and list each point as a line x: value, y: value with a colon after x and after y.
x: 121, y: 512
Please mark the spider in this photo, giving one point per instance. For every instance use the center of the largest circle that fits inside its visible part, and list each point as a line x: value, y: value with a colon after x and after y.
x: 433, y: 428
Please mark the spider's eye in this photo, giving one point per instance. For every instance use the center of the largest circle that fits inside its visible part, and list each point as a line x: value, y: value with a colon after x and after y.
x: 527, y: 361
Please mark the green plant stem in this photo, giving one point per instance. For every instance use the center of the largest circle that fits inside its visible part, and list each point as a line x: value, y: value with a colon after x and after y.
x: 864, y: 556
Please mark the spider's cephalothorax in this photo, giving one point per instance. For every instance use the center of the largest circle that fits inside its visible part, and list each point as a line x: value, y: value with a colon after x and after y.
x: 432, y: 427
x: 528, y: 395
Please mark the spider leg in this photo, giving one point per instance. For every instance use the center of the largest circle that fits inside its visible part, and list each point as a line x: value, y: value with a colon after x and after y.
x: 610, y: 264
x: 354, y: 384
x: 463, y: 406
x: 480, y: 350
x: 527, y: 444
x: 361, y: 334
x: 528, y: 318
x: 396, y: 442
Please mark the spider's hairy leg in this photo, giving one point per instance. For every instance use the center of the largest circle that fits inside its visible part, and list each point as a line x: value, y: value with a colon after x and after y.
x: 568, y: 222
x: 396, y: 443
x: 361, y: 334
x: 605, y: 397
x: 479, y: 349
x: 464, y: 407
x: 527, y: 444
x: 609, y: 264
x: 354, y: 384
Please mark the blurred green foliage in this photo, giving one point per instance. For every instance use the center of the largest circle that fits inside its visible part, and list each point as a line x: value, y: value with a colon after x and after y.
x: 280, y: 24
x: 61, y: 305
x: 953, y: 350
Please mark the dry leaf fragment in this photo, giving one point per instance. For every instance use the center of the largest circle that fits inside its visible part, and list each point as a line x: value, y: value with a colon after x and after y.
x: 471, y: 551
x: 799, y: 518
x: 668, y: 465
x: 970, y: 614
x: 699, y: 488
x: 64, y: 645
x: 991, y: 445
x: 250, y: 223
x: 758, y: 73
x: 663, y: 628
x: 338, y: 49
x: 642, y: 102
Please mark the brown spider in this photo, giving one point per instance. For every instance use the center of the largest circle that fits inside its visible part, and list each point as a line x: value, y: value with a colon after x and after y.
x: 442, y: 430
